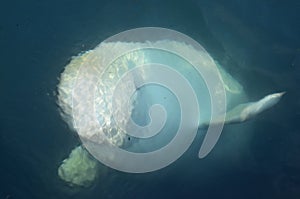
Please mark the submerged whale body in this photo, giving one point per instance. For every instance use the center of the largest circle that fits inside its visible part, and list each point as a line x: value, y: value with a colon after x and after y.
x: 143, y: 99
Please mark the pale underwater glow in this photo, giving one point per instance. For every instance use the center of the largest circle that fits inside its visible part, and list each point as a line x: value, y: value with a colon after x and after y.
x: 79, y: 169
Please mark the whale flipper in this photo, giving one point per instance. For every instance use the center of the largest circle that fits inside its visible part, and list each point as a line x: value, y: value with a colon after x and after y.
x: 247, y: 111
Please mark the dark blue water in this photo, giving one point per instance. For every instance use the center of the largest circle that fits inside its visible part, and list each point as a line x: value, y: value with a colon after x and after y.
x: 257, y: 41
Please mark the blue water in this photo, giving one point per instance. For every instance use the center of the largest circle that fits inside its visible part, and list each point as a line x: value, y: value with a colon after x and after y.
x: 257, y: 41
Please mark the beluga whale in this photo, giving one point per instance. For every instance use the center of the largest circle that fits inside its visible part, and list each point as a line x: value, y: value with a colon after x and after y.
x: 139, y: 98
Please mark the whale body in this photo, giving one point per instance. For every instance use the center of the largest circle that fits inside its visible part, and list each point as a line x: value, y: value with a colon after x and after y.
x: 146, y: 96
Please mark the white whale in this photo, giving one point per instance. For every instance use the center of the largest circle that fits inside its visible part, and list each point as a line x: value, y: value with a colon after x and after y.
x: 237, y: 110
